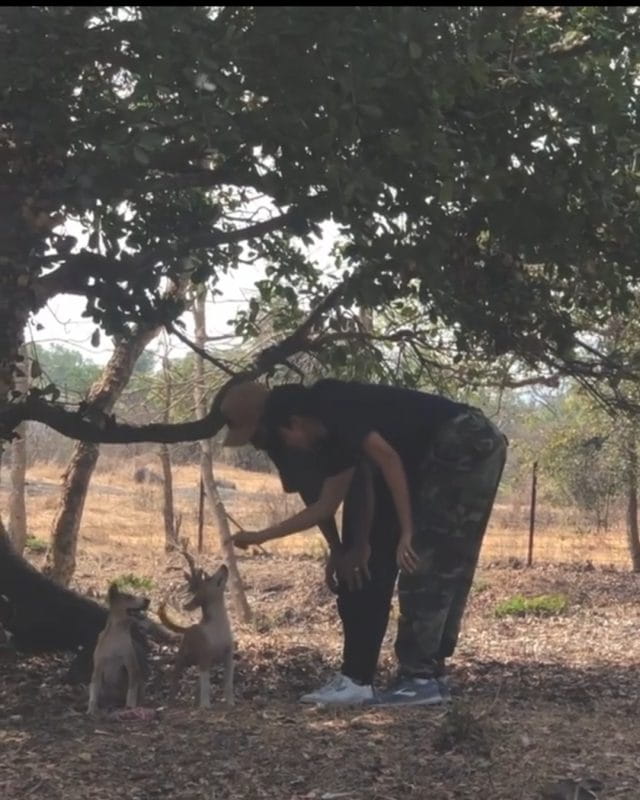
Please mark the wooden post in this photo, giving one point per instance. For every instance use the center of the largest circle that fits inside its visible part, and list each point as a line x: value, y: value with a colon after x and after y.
x: 532, y: 513
x: 201, y: 518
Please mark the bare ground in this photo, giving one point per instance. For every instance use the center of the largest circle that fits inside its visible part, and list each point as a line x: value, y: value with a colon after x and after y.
x: 536, y: 699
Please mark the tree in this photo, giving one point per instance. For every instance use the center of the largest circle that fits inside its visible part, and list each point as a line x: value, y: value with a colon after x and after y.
x: 171, y: 522
x: 483, y: 165
x: 101, y: 399
x: 632, y: 476
x: 65, y: 367
x: 17, y: 504
x: 206, y: 469
x: 500, y: 192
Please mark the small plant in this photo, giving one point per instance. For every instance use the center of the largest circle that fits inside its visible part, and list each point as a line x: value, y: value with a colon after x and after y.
x: 543, y: 605
x: 35, y: 545
x: 133, y: 583
x: 461, y: 729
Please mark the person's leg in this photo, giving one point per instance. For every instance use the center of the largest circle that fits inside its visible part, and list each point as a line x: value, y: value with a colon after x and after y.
x: 480, y: 481
x: 364, y: 613
x: 453, y: 622
x: 458, y: 488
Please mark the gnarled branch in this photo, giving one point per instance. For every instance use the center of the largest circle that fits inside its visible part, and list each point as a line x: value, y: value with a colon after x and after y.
x: 90, y: 426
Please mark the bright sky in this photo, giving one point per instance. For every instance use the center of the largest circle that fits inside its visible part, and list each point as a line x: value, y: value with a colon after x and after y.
x: 63, y: 323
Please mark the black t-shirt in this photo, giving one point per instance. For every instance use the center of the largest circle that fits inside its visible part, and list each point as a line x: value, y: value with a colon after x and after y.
x: 407, y: 419
x: 301, y: 471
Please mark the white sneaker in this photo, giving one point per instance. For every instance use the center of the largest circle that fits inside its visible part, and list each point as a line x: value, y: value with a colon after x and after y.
x: 341, y: 691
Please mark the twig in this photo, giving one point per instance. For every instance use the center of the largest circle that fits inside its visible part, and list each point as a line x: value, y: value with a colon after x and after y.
x: 494, y: 701
x: 199, y: 351
x: 235, y: 522
x: 241, y: 528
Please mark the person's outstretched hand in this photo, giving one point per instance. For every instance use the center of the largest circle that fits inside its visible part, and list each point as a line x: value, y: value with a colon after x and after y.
x: 244, y: 539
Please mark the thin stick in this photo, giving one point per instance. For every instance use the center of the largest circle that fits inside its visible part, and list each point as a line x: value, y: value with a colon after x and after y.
x: 241, y: 528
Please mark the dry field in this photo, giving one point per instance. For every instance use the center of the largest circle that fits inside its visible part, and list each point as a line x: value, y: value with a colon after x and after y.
x: 537, y: 700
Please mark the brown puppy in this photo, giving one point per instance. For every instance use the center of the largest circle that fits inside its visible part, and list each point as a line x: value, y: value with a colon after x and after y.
x: 210, y: 641
x: 116, y: 650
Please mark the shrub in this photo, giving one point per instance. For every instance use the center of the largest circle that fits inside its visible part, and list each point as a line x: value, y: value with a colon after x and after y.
x: 543, y: 605
x: 35, y: 545
x: 133, y: 583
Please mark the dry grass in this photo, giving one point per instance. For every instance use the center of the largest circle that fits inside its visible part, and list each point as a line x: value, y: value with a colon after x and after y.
x: 542, y: 698
x: 118, y: 512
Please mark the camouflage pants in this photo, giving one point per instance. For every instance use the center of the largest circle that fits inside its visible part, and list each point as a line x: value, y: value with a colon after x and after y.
x: 455, y: 493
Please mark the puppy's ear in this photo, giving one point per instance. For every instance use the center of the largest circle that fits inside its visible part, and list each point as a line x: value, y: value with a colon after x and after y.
x: 223, y: 575
x: 113, y: 591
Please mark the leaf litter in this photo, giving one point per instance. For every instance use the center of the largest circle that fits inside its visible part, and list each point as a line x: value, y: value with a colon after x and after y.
x: 539, y: 705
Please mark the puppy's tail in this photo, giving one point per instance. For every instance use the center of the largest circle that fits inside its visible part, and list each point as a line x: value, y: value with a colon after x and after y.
x: 168, y: 623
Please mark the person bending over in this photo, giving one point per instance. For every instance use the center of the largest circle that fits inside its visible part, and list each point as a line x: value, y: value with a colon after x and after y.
x: 441, y: 462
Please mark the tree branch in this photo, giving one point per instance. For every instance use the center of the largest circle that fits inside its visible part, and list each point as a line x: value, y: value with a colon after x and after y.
x: 88, y: 425
x: 198, y: 178
x: 199, y: 351
x: 72, y: 275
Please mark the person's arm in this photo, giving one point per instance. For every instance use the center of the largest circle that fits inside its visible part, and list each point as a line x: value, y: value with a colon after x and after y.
x: 332, y: 494
x: 310, y: 495
x: 363, y: 518
x: 386, y: 458
x: 329, y: 530
x: 299, y: 472
x: 352, y: 566
x: 309, y: 491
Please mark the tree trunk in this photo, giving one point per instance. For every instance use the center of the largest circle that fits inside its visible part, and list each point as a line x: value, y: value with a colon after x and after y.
x: 17, y: 505
x: 206, y: 467
x: 170, y: 525
x: 168, y: 514
x: 103, y: 395
x: 40, y: 615
x: 44, y: 617
x: 633, y: 533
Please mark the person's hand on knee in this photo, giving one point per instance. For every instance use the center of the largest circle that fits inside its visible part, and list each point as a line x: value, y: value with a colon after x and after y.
x: 406, y: 557
x: 353, y: 566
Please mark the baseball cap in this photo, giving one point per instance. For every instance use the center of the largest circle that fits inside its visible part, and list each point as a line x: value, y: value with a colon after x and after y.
x: 242, y: 407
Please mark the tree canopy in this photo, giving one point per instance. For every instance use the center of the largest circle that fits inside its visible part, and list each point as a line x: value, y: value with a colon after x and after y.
x: 478, y: 163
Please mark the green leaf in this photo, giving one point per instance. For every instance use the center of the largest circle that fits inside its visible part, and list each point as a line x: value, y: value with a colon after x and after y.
x: 446, y: 192
x: 140, y: 155
x: 375, y: 112
x: 415, y: 51
x: 150, y: 141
